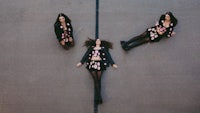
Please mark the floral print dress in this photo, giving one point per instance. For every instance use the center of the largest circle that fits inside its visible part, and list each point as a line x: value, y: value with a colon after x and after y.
x: 153, y: 34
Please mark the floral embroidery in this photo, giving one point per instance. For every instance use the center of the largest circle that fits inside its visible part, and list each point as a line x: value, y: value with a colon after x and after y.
x: 153, y: 34
x: 94, y: 65
x: 62, y: 36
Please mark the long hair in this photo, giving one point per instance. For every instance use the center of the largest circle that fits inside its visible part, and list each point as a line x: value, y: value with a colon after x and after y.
x: 65, y: 16
x: 172, y: 18
x: 92, y: 42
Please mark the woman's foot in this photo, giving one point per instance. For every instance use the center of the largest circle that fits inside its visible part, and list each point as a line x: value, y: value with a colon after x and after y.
x: 71, y: 42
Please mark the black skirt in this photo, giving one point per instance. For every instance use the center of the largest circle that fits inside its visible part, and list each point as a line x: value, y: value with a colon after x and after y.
x: 96, y: 65
x: 153, y: 35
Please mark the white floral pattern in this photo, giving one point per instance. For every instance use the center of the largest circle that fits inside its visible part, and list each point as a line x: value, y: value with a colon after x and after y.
x: 96, y: 65
x: 153, y: 33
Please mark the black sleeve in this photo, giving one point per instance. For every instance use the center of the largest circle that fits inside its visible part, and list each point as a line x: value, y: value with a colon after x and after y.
x: 109, y: 57
x: 58, y: 32
x: 85, y: 57
x: 70, y: 29
x: 169, y: 32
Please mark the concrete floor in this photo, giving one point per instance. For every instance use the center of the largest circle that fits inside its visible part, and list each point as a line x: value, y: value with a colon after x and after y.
x: 38, y: 76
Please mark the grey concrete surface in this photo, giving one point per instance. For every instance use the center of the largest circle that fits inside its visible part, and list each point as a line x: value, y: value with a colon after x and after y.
x: 38, y: 76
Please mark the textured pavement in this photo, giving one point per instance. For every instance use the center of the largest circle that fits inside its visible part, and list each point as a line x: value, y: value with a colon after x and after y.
x: 39, y: 76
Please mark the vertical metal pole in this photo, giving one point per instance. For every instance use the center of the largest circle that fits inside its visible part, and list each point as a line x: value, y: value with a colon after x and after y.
x: 97, y: 20
x: 96, y: 36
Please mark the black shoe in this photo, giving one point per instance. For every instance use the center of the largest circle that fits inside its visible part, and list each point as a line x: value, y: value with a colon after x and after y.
x: 124, y: 47
x: 122, y: 43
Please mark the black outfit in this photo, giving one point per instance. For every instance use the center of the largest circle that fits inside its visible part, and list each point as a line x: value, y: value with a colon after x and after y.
x: 97, y: 67
x: 64, y: 34
x: 150, y: 35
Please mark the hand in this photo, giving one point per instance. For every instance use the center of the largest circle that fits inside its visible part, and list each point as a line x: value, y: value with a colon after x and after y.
x: 79, y: 64
x: 157, y: 23
x: 173, y: 33
x: 114, y: 66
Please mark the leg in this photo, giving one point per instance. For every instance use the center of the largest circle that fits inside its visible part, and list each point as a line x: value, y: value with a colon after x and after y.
x: 71, y: 41
x: 99, y: 74
x: 137, y: 43
x: 95, y: 79
x: 64, y: 44
x: 137, y: 38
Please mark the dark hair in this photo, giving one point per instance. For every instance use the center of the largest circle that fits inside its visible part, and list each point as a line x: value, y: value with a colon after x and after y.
x: 65, y: 16
x: 92, y: 42
x: 172, y: 18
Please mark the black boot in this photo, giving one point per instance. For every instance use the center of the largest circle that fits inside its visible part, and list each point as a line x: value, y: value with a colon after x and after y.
x: 124, y: 45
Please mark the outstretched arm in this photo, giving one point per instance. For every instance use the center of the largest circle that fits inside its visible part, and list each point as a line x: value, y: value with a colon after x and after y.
x: 85, y: 57
x: 110, y: 59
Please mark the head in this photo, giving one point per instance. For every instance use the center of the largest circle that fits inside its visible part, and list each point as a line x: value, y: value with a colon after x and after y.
x: 98, y: 41
x: 170, y: 16
x: 91, y: 42
x: 167, y: 17
x: 62, y: 18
